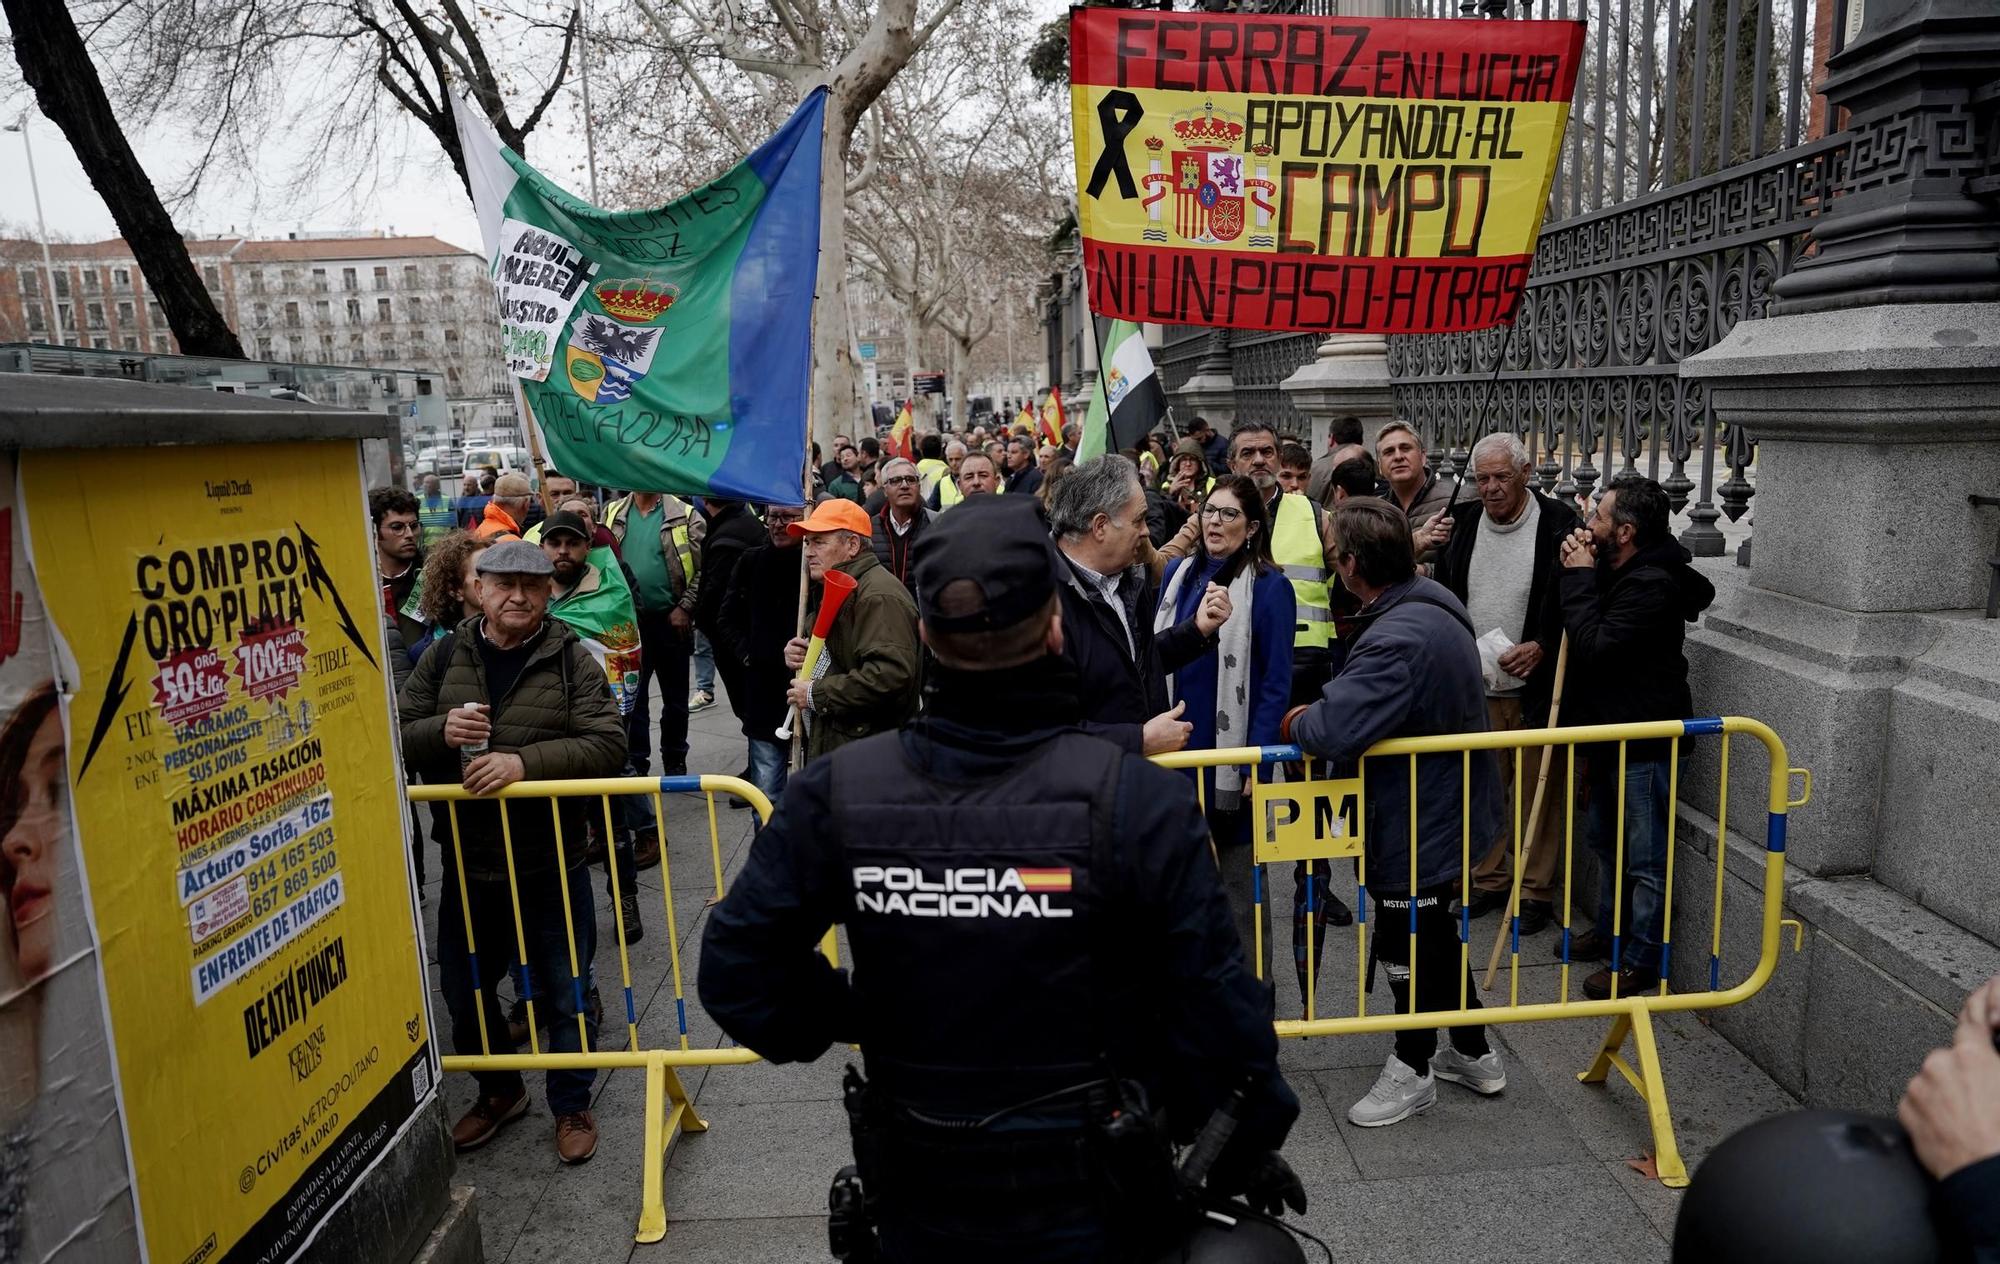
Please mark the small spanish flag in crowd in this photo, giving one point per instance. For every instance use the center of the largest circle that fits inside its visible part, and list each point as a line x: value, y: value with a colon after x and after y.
x: 1052, y: 416
x: 901, y: 441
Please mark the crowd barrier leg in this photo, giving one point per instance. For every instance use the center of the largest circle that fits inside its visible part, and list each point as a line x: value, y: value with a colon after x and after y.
x: 669, y: 1112
x: 1647, y: 1081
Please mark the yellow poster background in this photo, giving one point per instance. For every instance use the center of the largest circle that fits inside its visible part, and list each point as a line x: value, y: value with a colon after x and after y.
x: 241, y: 824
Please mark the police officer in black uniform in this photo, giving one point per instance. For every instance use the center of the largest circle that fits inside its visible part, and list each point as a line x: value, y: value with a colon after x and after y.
x: 1047, y: 986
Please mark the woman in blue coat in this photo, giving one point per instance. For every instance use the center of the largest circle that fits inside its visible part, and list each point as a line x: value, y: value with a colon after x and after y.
x: 1237, y: 690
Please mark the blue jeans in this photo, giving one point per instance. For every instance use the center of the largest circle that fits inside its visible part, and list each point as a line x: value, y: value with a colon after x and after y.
x: 470, y: 988
x: 769, y: 767
x: 704, y: 664
x: 1645, y: 893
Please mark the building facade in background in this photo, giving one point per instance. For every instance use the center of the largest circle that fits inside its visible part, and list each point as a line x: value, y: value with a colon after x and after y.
x: 388, y: 302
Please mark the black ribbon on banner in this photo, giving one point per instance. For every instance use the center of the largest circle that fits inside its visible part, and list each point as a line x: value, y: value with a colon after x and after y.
x: 1118, y: 113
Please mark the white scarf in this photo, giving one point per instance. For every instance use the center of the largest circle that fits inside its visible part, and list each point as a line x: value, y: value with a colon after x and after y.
x: 1232, y: 674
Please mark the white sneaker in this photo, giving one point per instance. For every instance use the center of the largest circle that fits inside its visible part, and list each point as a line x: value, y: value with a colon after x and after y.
x: 1399, y: 1092
x: 1483, y: 1075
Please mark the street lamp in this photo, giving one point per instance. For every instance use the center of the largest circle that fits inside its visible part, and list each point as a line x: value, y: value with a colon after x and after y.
x: 41, y: 226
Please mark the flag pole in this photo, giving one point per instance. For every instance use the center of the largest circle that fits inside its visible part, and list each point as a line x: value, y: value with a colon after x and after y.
x: 796, y: 758
x: 534, y: 432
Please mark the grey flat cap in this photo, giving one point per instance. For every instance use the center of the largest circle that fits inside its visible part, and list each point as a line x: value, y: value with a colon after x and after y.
x: 514, y: 557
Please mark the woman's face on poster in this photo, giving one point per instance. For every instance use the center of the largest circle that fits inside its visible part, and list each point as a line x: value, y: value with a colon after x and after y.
x: 28, y: 851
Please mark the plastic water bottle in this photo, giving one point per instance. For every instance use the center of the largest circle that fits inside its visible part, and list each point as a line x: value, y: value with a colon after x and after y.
x: 471, y: 751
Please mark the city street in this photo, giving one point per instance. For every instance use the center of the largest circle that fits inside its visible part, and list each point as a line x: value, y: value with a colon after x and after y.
x: 1544, y: 1172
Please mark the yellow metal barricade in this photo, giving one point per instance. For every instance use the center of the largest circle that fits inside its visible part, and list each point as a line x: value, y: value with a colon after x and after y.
x: 1327, y: 824
x: 668, y: 1111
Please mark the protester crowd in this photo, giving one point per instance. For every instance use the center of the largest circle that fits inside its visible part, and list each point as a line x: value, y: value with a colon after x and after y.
x: 1214, y: 591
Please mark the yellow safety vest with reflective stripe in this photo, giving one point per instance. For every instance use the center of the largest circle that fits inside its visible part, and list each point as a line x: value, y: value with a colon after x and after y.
x: 948, y: 493
x: 677, y: 532
x: 1301, y: 554
x: 929, y: 471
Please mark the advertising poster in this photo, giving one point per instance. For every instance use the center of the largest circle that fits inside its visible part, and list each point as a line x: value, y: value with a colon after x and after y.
x: 64, y: 1182
x: 231, y: 772
x: 1327, y: 174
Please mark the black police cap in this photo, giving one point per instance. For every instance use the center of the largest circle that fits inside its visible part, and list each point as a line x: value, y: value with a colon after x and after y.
x: 998, y: 543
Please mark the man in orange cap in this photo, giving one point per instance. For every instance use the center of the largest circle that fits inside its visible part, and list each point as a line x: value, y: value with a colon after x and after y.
x: 866, y: 680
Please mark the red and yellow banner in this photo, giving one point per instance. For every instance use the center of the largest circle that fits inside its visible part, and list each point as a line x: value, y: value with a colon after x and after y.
x: 1314, y: 173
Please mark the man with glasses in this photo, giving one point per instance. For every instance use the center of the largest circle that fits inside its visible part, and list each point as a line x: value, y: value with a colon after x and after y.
x: 900, y: 521
x: 398, y: 560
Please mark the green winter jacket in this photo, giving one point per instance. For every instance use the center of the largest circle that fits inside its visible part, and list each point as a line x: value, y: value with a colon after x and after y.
x: 873, y: 668
x: 558, y: 717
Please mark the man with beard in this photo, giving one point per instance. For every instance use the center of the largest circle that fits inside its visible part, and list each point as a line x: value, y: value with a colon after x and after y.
x: 590, y: 595
x: 1628, y: 595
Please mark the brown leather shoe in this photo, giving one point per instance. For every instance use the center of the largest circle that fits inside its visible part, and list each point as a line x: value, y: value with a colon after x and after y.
x: 488, y: 1115
x: 576, y: 1137
x: 646, y: 850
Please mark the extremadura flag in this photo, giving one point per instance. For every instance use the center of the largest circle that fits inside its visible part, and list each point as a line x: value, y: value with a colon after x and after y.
x: 1314, y: 173
x: 668, y: 349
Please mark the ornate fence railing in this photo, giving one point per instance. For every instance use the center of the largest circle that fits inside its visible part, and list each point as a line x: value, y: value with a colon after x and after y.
x: 1615, y: 301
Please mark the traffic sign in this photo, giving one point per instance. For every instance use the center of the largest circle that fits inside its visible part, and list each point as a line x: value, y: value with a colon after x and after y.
x: 867, y: 351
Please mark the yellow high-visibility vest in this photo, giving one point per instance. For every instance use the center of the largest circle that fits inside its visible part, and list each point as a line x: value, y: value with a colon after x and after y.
x: 948, y: 493
x: 1300, y: 553
x: 929, y: 471
x: 677, y: 533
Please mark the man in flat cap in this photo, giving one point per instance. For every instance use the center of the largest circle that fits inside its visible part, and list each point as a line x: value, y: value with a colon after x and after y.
x: 866, y: 681
x: 513, y: 695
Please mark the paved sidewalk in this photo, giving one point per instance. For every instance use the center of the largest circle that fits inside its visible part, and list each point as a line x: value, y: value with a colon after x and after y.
x: 1538, y: 1173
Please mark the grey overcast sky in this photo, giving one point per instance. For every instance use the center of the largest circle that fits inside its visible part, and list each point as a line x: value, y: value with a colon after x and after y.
x: 420, y: 196
x: 417, y: 196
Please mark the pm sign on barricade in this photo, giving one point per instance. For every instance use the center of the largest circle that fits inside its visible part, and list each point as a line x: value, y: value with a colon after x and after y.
x: 1308, y: 820
x: 1314, y: 173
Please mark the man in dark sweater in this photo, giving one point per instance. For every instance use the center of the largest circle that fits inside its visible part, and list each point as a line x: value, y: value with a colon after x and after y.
x: 732, y: 531
x: 759, y: 614
x: 1628, y: 595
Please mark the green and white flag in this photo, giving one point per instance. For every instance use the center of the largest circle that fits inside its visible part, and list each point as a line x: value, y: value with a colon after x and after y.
x: 1126, y: 400
x: 664, y: 349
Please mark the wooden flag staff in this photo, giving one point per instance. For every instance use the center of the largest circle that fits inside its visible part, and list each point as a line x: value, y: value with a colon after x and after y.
x: 1534, y: 819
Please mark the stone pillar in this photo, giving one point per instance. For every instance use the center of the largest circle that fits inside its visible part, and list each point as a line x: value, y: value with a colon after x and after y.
x: 1211, y: 392
x: 1348, y: 377
x: 1873, y: 393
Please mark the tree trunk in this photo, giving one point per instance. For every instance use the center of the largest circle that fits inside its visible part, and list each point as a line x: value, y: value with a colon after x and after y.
x: 55, y: 63
x: 913, y: 342
x: 960, y: 382
x: 838, y: 404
